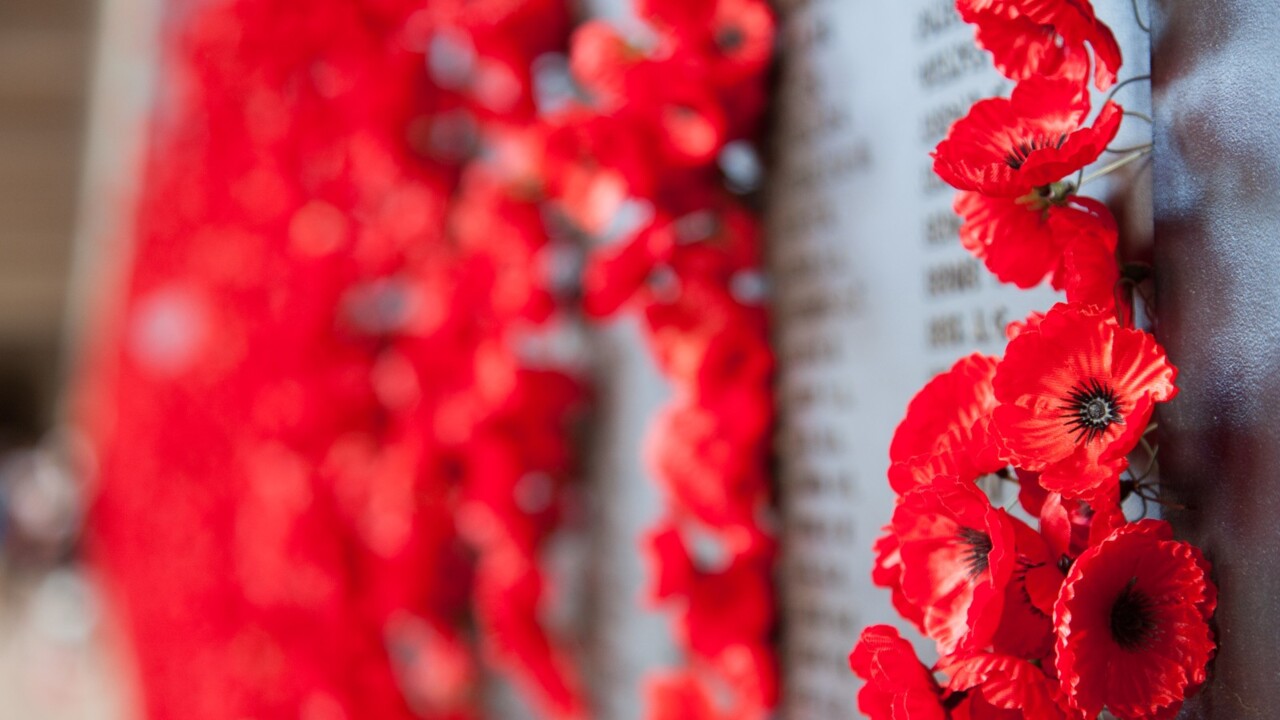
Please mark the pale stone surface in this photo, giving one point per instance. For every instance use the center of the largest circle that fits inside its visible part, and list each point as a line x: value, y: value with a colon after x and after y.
x: 874, y: 294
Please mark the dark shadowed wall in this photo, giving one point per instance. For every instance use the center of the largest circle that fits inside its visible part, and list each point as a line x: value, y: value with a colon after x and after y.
x: 1217, y: 211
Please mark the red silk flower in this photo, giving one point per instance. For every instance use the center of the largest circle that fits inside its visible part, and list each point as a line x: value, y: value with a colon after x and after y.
x: 606, y: 63
x: 1075, y: 396
x: 957, y: 555
x: 734, y: 36
x: 742, y: 689
x: 1025, y: 628
x: 1001, y: 687
x: 986, y: 685
x: 1026, y: 621
x: 887, y: 573
x: 1043, y: 37
x: 898, y: 686
x: 947, y: 427
x: 594, y: 164
x: 635, y: 169
x: 681, y: 696
x: 1007, y: 147
x: 683, y: 116
x: 1024, y: 240
x: 700, y: 454
x: 1132, y: 621
x: 1089, y: 272
x: 727, y: 605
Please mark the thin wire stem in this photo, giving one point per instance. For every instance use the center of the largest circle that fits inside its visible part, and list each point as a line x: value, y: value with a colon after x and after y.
x: 1140, y: 116
x: 1142, y: 152
x: 1145, y: 510
x: 1123, y: 83
x: 1118, y: 293
x: 1152, y: 456
x: 1148, y: 302
x: 1138, y: 18
x: 1159, y: 501
x: 1132, y: 148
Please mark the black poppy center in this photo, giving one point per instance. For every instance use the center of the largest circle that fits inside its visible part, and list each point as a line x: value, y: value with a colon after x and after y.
x: 1090, y: 409
x: 978, y: 551
x: 730, y: 38
x: 1019, y: 153
x: 1133, y: 618
x: 1097, y: 410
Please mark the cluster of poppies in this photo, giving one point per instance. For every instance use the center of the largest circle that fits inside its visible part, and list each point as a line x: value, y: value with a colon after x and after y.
x: 655, y: 164
x: 336, y: 410
x: 1087, y: 610
x: 333, y: 422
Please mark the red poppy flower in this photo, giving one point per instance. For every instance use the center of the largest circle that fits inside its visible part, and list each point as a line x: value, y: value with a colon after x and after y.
x: 742, y: 33
x: 1026, y: 621
x: 887, y: 573
x: 1035, y: 37
x: 508, y: 603
x: 682, y: 114
x: 711, y: 461
x: 705, y: 337
x: 946, y: 430
x: 1024, y: 240
x: 735, y: 36
x: 730, y: 608
x: 741, y: 687
x: 594, y: 164
x: 1132, y: 621
x: 1075, y: 396
x: 690, y: 123
x: 1064, y: 523
x: 1017, y: 327
x: 1000, y: 686
x: 685, y: 17
x: 615, y: 273
x: 985, y: 685
x: 435, y: 666
x: 957, y: 557
x: 680, y: 696
x: 605, y: 62
x: 726, y: 606
x: 1026, y: 625
x: 1069, y: 527
x: 898, y: 686
x: 1089, y: 274
x: 536, y: 25
x: 1007, y: 147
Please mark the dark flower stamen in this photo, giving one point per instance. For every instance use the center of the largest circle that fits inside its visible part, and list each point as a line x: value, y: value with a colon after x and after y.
x: 1133, y: 622
x: 1091, y: 409
x: 1023, y: 150
x: 977, y: 556
x: 730, y: 38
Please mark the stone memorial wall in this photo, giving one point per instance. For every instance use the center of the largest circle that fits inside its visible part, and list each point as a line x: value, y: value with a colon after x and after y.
x: 874, y: 293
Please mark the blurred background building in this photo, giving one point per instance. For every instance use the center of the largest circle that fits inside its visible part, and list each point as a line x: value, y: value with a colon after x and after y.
x: 44, y: 52
x: 51, y: 666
